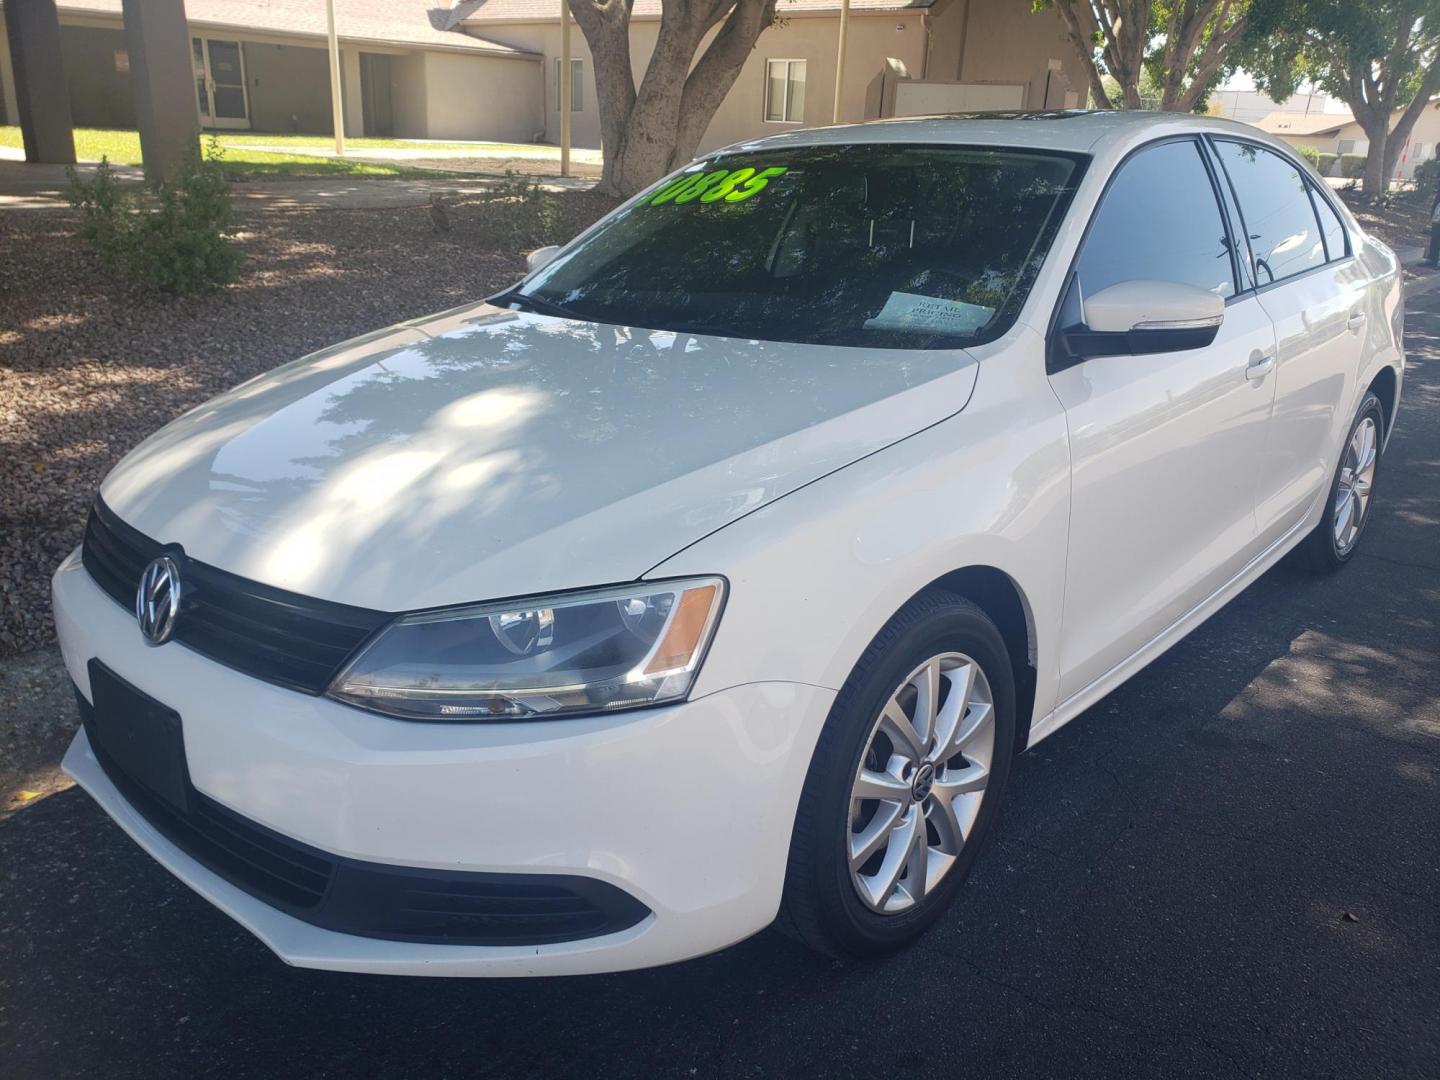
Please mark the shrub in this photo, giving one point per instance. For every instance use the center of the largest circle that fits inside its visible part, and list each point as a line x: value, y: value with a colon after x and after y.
x: 517, y: 212
x: 1325, y: 163
x: 171, y: 238
x: 1310, y: 154
x: 1352, y: 165
x: 1427, y: 176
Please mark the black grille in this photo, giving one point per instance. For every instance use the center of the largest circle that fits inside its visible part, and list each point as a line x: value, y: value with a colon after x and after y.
x: 372, y: 899
x: 281, y: 637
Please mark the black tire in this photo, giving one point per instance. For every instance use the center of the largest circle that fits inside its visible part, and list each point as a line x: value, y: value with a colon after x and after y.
x: 1322, y: 553
x: 821, y: 907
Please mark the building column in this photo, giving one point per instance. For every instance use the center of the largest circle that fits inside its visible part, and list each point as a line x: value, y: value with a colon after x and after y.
x: 350, y: 83
x: 41, y: 97
x: 163, y: 76
x: 7, y: 78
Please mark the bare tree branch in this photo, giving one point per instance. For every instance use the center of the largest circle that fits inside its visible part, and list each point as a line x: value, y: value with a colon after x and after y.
x: 1084, y: 51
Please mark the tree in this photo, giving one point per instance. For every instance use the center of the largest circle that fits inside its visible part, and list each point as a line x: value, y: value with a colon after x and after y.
x: 1378, y: 56
x: 1184, y: 47
x: 654, y: 128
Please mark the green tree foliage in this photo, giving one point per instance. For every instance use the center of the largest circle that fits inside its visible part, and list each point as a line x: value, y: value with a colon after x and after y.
x: 1163, y: 54
x: 1381, y: 57
x: 172, y: 239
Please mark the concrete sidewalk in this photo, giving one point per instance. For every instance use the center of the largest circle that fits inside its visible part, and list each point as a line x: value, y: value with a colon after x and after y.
x: 491, y: 159
x: 42, y: 187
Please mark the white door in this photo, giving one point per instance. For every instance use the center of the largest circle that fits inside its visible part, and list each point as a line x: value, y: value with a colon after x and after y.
x: 1315, y: 294
x: 1163, y: 447
x: 220, y: 83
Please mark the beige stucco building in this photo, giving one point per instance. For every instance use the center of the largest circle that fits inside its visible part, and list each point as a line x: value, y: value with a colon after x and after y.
x: 262, y: 65
x: 488, y: 69
x: 1340, y: 133
x: 904, y: 57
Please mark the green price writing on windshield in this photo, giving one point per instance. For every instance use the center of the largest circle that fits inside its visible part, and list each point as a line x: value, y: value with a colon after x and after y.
x: 721, y: 185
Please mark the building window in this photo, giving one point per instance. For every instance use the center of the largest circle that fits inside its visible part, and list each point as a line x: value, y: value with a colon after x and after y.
x: 577, y: 85
x: 785, y: 91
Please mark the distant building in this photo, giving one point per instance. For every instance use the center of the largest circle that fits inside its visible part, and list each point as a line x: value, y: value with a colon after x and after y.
x: 489, y: 69
x: 1341, y: 133
x: 905, y: 57
x: 1248, y: 106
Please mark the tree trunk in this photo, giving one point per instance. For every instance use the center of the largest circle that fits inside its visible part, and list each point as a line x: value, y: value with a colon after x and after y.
x: 606, y: 27
x: 1075, y: 33
x: 1376, y: 180
x: 655, y: 129
x: 1400, y: 133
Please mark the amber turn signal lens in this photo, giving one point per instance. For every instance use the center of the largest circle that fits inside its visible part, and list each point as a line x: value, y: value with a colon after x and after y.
x: 686, y: 630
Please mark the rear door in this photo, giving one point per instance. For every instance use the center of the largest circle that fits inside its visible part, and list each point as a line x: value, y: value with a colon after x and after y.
x: 1314, y: 291
x: 1163, y: 447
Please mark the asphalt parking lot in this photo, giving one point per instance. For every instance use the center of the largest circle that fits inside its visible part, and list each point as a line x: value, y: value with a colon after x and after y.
x: 1230, y: 867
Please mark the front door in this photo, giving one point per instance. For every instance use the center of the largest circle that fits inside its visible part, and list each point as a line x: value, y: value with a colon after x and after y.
x: 1162, y: 447
x: 220, y: 83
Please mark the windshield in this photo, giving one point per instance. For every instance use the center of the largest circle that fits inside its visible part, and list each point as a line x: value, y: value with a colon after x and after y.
x: 881, y: 246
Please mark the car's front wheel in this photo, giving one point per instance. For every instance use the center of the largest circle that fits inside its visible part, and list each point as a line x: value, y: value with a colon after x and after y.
x: 905, y: 781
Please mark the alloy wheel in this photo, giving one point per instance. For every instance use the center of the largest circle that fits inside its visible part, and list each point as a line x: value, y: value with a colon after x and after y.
x: 1352, y: 493
x: 920, y: 783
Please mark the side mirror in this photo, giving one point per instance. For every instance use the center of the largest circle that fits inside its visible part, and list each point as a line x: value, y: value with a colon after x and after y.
x: 541, y: 256
x: 1137, y: 318
x: 1153, y: 306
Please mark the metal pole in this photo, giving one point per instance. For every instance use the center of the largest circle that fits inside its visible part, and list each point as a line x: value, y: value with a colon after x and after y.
x: 337, y: 104
x: 566, y: 91
x: 840, y: 56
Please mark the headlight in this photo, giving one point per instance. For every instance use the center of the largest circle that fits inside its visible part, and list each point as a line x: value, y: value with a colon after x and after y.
x: 539, y: 658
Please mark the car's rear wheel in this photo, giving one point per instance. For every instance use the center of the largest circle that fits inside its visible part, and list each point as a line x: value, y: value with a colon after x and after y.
x: 905, y: 781
x: 1352, y: 491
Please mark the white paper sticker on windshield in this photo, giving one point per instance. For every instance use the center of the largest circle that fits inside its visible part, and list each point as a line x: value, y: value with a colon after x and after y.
x: 932, y: 314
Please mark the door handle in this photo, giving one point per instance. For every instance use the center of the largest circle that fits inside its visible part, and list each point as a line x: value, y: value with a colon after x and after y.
x: 1356, y: 321
x: 1261, y: 364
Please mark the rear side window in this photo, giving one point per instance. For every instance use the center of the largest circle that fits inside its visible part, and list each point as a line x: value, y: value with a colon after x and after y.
x: 1330, y: 226
x: 1159, y: 222
x: 1279, y: 219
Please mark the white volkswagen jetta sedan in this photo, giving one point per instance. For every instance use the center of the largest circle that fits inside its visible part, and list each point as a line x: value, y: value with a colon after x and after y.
x: 719, y: 569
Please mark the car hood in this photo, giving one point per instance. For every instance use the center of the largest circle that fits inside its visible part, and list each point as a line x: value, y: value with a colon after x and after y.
x: 485, y: 453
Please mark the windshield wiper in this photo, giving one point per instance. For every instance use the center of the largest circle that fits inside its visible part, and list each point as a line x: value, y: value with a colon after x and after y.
x: 544, y: 307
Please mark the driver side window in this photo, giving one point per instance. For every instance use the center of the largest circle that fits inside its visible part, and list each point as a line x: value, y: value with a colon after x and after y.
x: 1159, y: 221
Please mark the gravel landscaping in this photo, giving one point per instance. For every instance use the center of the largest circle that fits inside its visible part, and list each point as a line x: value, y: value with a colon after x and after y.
x: 1404, y: 221
x: 88, y: 369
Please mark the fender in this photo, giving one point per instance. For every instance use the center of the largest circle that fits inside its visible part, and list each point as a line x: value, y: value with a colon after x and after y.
x: 990, y: 486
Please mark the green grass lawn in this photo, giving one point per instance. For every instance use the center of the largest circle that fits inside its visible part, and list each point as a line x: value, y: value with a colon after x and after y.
x: 123, y: 148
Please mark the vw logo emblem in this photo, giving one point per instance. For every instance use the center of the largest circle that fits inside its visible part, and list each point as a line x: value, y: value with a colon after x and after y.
x: 923, y: 782
x: 157, y: 601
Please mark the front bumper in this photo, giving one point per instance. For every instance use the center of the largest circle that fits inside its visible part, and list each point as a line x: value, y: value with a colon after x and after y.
x: 687, y: 808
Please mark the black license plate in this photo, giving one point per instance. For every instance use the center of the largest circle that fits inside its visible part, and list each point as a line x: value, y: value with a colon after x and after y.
x: 138, y: 736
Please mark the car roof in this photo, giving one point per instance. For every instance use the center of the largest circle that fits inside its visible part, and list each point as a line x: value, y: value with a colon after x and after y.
x: 1076, y: 130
